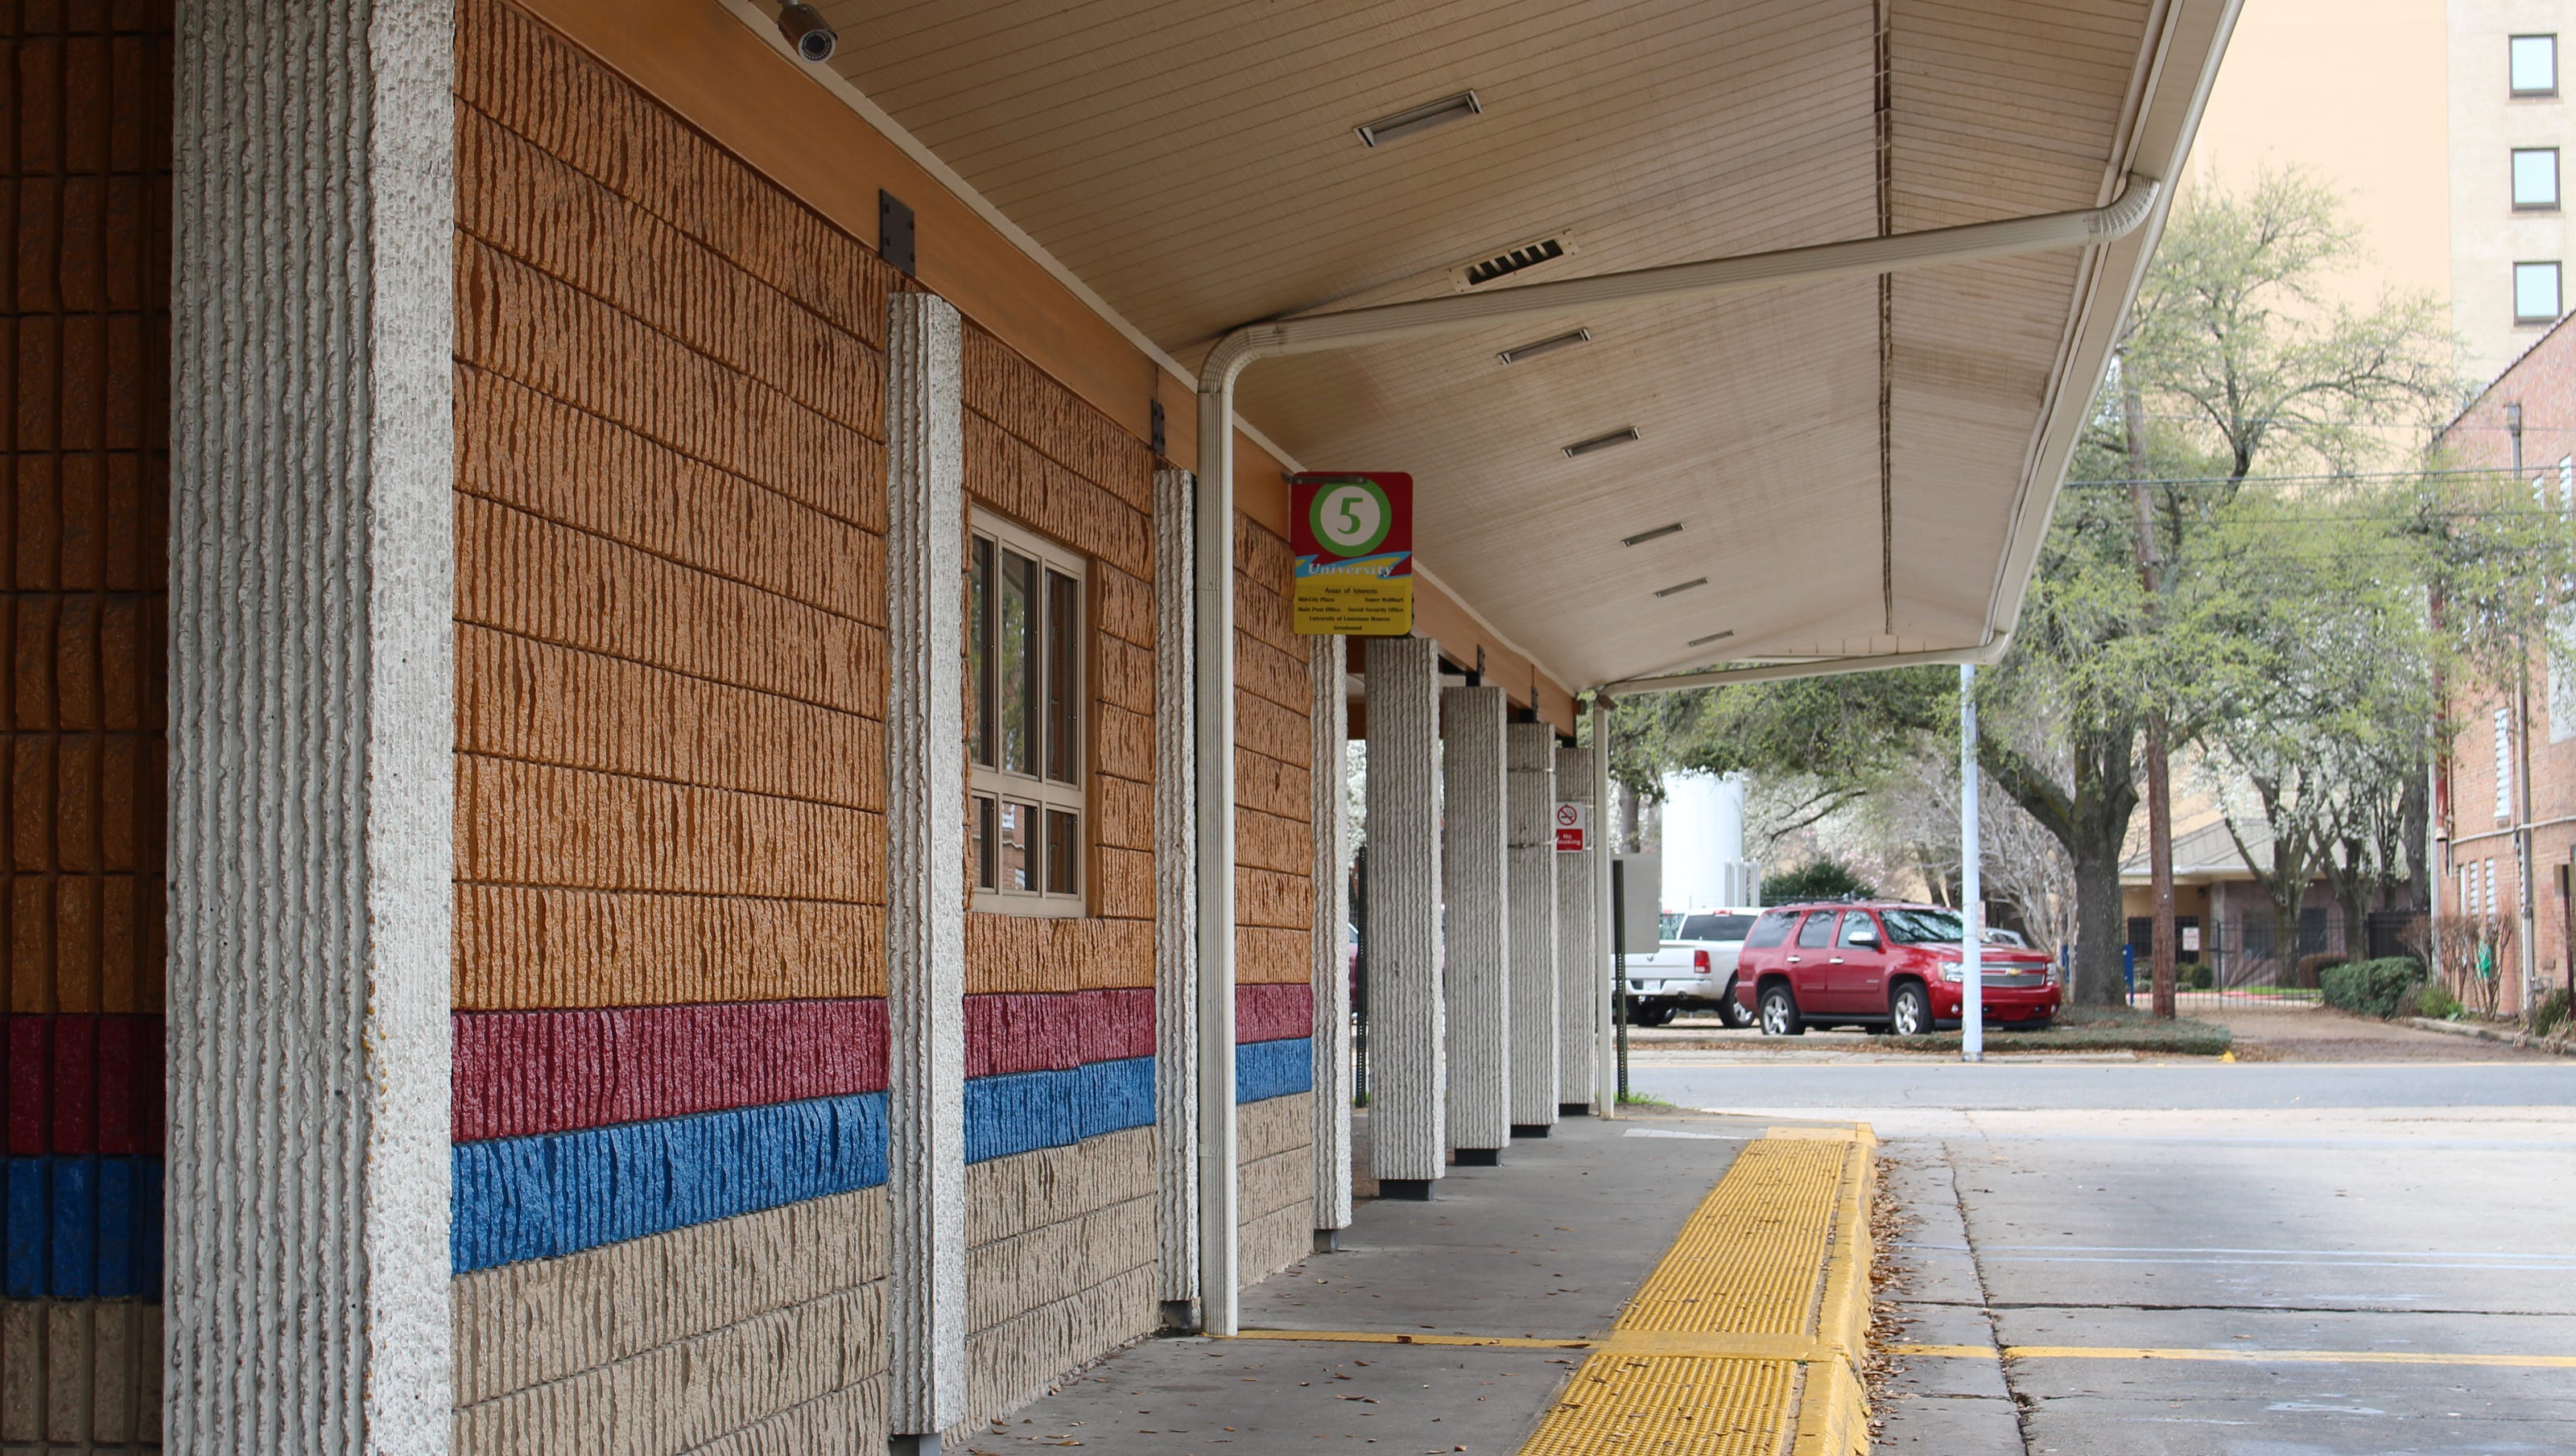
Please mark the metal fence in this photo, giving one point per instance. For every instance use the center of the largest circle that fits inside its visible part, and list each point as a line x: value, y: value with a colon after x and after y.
x: 2249, y: 960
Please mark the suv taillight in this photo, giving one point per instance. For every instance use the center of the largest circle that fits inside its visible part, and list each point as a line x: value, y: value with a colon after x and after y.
x: 1701, y: 963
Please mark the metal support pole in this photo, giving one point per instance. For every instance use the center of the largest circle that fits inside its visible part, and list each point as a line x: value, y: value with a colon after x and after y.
x: 1605, y: 1080
x: 1972, y: 896
x: 1619, y: 963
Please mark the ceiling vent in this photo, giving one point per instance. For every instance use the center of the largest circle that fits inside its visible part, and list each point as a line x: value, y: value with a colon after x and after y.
x: 1414, y: 121
x: 1712, y: 637
x: 1678, y: 588
x: 1657, y: 534
x: 1493, y: 267
x: 1536, y: 347
x: 1599, y: 443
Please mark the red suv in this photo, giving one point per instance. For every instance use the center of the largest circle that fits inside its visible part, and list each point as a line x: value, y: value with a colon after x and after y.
x: 1879, y: 964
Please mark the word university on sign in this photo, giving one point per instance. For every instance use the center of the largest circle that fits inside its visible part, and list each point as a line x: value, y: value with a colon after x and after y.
x: 1573, y: 825
x: 1352, y: 536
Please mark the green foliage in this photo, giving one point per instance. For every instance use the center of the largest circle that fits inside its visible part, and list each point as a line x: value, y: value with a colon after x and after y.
x: 2429, y: 999
x: 2371, y: 988
x: 2551, y: 1014
x: 1822, y: 879
x: 2198, y: 977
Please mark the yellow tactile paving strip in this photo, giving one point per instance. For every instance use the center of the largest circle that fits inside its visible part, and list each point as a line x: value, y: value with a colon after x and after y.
x: 1779, y: 1250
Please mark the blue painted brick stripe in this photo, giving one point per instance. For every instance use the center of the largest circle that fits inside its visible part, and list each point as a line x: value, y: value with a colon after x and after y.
x: 1267, y: 1069
x: 560, y: 1193
x: 84, y: 1227
x: 1021, y: 1112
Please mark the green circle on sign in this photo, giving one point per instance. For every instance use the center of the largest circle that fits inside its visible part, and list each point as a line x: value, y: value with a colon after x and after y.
x: 1351, y: 517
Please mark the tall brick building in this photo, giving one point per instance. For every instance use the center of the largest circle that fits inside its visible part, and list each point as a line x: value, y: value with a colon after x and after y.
x: 663, y: 795
x: 2524, y: 422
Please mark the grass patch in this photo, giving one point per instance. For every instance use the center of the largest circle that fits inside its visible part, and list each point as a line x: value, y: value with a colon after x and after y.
x: 1643, y: 1099
x: 2091, y: 1029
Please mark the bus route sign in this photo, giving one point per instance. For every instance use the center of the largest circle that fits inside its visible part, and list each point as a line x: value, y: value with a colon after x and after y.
x: 1352, y: 536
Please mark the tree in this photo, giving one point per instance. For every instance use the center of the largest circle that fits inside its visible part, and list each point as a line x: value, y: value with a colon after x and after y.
x: 1821, y: 879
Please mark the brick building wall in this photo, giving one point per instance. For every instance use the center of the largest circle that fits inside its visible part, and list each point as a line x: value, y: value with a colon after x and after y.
x: 86, y: 201
x: 2480, y: 847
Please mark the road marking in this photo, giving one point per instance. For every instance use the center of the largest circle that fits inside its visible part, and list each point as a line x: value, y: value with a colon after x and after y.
x: 2236, y: 1357
x: 2180, y: 1249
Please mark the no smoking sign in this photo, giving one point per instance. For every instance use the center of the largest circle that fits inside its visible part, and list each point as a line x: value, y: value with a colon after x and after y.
x: 1573, y: 828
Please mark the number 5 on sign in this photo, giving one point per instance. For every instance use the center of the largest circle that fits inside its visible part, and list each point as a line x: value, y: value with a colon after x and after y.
x: 1352, y: 535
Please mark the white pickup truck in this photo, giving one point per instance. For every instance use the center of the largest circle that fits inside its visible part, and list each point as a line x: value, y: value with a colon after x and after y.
x: 1694, y: 968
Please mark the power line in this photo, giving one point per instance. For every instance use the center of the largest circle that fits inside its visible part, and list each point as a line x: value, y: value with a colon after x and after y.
x: 2500, y: 473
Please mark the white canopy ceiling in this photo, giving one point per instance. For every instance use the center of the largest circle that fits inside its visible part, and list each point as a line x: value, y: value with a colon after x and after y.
x: 1858, y: 467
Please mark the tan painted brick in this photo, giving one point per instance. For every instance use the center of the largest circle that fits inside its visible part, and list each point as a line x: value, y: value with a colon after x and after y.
x: 1285, y: 1179
x: 848, y: 1422
x: 1018, y: 1361
x: 1008, y: 1197
x: 522, y: 699
x: 519, y: 574
x: 522, y: 948
x: 540, y: 456
x: 1274, y: 1241
x: 522, y: 1326
x: 1009, y: 1277
x: 1273, y: 1126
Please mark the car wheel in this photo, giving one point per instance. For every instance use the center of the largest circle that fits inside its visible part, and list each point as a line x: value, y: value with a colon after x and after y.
x: 1780, y: 1013
x: 1664, y: 1014
x: 1911, y: 1013
x: 1734, y: 1012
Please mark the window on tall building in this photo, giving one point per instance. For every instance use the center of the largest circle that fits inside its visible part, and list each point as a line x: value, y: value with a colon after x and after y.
x: 1024, y: 708
x: 2535, y: 179
x: 2534, y: 64
x: 2535, y: 293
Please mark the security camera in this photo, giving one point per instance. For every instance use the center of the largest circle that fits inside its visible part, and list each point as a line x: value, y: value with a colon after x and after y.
x: 805, y: 28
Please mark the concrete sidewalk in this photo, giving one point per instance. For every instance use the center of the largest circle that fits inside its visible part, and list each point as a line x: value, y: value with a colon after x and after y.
x: 1457, y: 1325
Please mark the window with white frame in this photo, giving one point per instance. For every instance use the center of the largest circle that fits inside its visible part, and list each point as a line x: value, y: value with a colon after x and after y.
x: 1026, y: 637
x: 2533, y: 62
x: 2535, y: 293
x: 2535, y: 179
x: 2503, y: 764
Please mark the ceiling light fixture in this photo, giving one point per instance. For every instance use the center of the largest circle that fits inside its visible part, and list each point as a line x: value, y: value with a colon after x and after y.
x: 1683, y: 586
x: 1532, y: 350
x: 1419, y: 119
x: 1601, y: 442
x: 1712, y: 637
x: 1657, y: 534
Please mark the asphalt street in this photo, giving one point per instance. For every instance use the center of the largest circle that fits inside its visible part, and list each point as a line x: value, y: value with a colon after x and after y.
x: 2254, y: 1259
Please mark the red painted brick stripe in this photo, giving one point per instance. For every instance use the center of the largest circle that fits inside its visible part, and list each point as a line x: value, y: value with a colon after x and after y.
x: 1056, y: 1031
x: 1273, y: 1013
x: 83, y: 1084
x: 523, y: 1072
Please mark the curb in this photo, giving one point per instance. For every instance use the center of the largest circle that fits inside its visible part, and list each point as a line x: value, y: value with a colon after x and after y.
x: 2498, y: 1035
x: 1834, y: 1420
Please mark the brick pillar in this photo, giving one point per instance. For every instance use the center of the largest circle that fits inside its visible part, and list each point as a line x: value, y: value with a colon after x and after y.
x: 1477, y: 968
x: 925, y: 871
x: 1578, y: 973
x: 1530, y: 887
x: 312, y: 685
x: 1408, y: 1113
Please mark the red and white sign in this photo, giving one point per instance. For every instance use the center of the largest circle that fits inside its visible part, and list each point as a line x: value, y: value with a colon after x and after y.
x: 1573, y: 828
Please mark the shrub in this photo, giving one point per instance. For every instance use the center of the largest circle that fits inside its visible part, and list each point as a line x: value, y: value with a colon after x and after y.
x: 1822, y: 879
x: 2201, y: 977
x: 2430, y: 999
x: 2550, y: 1014
x: 2371, y: 988
x: 2312, y: 966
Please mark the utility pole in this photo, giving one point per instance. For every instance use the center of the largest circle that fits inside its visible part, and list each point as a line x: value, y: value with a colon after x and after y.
x: 2159, y: 775
x: 2522, y: 754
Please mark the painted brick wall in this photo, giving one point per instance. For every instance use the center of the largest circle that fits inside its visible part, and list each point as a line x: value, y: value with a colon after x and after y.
x: 86, y: 203
x: 670, y: 1041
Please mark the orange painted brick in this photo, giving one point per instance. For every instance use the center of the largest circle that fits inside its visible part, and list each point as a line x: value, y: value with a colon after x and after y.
x: 1271, y: 787
x: 1122, y: 675
x: 36, y: 562
x: 534, y: 824
x: 1123, y: 605
x: 1268, y: 897
x: 1266, y: 728
x: 521, y: 449
x: 31, y: 944
x: 522, y: 699
x: 127, y: 664
x: 1265, y: 671
x: 1261, y: 613
x: 73, y: 534
x: 536, y: 579
x: 1266, y: 841
x: 1122, y: 883
x: 1122, y: 741
x: 1268, y: 956
x: 520, y: 949
x: 76, y: 688
x: 121, y: 938
x: 76, y: 803
x: 75, y: 944
x: 31, y: 802
x: 123, y: 792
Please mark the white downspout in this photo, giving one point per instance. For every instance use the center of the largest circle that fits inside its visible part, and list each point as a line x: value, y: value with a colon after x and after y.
x: 1213, y: 564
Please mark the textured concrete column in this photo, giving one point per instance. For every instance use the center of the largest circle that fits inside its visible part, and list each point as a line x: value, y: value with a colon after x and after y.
x: 1176, y: 895
x: 312, y: 712
x: 1476, y: 973
x: 1530, y: 887
x: 1328, y: 727
x: 925, y: 871
x: 1408, y: 1091
x: 1577, y: 961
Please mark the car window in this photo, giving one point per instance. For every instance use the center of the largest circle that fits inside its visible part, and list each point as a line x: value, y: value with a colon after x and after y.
x: 1768, y: 931
x: 1670, y: 925
x: 1818, y: 931
x: 1858, y: 928
x: 1728, y: 927
x: 1922, y: 927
